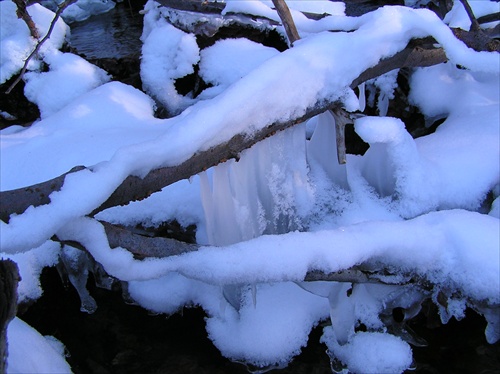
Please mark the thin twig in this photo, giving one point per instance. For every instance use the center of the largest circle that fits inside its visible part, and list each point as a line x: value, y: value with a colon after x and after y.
x: 474, y: 23
x: 40, y: 43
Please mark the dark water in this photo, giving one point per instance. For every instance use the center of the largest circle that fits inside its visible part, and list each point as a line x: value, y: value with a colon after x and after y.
x: 115, y: 34
x: 120, y: 338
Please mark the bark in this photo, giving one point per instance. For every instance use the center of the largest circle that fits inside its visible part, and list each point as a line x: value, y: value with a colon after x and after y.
x: 22, y: 13
x: 287, y: 20
x: 17, y: 201
x: 9, y: 278
x: 489, y: 18
x: 478, y: 40
x: 144, y: 246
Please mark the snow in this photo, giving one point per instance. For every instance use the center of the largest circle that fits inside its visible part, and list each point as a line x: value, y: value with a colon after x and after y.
x: 286, y: 207
x: 229, y: 60
x: 16, y: 43
x: 457, y: 16
x: 80, y: 10
x: 30, y: 352
x: 47, y: 89
x: 372, y: 352
x: 167, y: 54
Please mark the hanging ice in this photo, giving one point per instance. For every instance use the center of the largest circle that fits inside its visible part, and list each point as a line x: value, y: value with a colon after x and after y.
x: 266, y: 192
x: 322, y: 149
x: 77, y: 264
x: 394, y: 166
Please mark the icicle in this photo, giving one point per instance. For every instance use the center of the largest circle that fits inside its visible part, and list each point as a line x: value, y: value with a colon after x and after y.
x: 266, y: 192
x: 341, y: 312
x: 127, y: 298
x: 254, y: 295
x: 322, y: 150
x: 362, y: 97
x: 207, y: 202
x: 492, y: 331
x: 383, y: 104
x: 233, y: 295
x: 102, y: 279
x: 77, y: 263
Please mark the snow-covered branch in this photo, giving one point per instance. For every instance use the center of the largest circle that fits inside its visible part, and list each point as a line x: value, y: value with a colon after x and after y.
x: 135, y: 188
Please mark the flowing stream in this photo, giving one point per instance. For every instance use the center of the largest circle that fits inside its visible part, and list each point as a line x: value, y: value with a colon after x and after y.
x: 115, y: 34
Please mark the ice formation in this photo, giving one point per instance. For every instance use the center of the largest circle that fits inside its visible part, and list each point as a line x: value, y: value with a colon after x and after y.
x: 261, y: 193
x: 286, y: 207
x: 81, y: 10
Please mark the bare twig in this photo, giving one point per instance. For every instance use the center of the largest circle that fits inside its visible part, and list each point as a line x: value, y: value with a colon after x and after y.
x: 474, y: 23
x: 287, y: 20
x: 493, y: 17
x: 22, y: 13
x: 60, y: 9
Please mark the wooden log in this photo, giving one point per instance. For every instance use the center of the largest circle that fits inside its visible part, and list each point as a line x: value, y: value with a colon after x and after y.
x: 9, y: 279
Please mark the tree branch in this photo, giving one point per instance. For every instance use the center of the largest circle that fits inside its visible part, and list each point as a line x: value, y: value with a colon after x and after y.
x: 17, y: 201
x: 287, y: 20
x: 474, y: 24
x: 144, y: 246
x: 159, y: 247
x: 40, y: 43
x: 22, y: 13
x: 418, y: 53
x: 489, y: 18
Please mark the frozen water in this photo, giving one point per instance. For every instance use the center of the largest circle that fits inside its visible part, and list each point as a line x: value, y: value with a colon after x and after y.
x: 266, y: 192
x: 80, y: 10
x: 77, y: 264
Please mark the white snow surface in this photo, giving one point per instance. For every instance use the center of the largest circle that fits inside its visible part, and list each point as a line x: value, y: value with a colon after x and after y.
x: 80, y: 10
x: 16, y: 44
x: 409, y: 204
x: 30, y: 352
x: 372, y: 352
x: 457, y: 16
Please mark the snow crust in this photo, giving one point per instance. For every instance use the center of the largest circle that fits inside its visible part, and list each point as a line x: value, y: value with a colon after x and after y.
x: 286, y: 207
